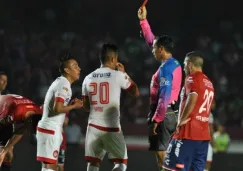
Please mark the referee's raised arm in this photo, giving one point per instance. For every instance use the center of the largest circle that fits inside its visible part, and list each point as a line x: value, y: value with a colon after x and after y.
x: 146, y: 30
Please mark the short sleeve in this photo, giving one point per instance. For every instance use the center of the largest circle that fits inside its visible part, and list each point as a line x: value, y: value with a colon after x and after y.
x: 123, y: 80
x: 191, y: 85
x: 62, y: 90
x: 84, y: 88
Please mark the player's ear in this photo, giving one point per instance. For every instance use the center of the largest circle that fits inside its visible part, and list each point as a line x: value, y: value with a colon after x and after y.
x: 66, y: 70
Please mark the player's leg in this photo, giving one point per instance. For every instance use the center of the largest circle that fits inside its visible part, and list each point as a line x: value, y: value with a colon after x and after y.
x: 179, y: 155
x: 94, y: 150
x: 209, y: 158
x: 159, y: 143
x: 61, y: 160
x: 200, y: 157
x: 48, y: 145
x: 115, y: 145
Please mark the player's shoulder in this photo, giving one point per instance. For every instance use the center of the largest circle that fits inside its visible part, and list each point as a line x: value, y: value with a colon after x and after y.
x: 171, y: 64
x: 61, y: 82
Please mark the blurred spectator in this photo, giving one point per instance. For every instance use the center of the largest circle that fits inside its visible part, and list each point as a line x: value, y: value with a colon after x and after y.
x: 221, y: 139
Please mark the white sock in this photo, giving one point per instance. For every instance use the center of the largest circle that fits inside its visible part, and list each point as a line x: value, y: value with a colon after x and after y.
x: 45, y: 169
x: 205, y: 169
x: 119, y: 167
x: 92, y: 168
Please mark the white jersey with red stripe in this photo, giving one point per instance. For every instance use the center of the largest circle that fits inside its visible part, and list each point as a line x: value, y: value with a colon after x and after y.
x: 60, y: 90
x: 210, y: 120
x: 103, y: 87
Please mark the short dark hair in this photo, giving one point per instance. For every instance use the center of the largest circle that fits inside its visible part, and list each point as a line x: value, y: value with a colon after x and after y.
x: 107, y: 52
x: 196, y: 58
x: 166, y: 42
x: 64, y: 61
x: 3, y: 73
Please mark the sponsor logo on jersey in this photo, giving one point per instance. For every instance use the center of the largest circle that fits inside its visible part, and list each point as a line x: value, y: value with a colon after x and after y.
x: 101, y: 75
x: 164, y: 82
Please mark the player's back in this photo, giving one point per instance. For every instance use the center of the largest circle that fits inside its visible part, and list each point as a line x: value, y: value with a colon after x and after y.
x: 10, y: 101
x: 60, y: 90
x: 103, y: 87
x: 197, y: 127
x: 205, y: 96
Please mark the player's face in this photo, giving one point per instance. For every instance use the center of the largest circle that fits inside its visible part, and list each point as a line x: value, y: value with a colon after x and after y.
x: 3, y: 82
x: 187, y: 66
x: 157, y: 51
x: 73, y: 69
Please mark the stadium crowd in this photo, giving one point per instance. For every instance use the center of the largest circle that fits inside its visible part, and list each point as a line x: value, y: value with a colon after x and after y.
x: 32, y: 45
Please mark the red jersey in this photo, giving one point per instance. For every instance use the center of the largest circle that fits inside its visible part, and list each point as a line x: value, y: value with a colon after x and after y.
x: 197, y: 127
x: 64, y: 138
x: 14, y: 107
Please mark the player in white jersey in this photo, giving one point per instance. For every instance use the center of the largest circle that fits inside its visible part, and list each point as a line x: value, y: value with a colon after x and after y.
x: 56, y: 105
x: 210, y: 149
x: 101, y: 96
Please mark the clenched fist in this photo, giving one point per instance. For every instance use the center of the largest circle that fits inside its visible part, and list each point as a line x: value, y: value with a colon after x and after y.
x: 142, y: 13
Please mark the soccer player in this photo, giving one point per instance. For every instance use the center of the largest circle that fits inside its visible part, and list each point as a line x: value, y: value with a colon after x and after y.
x: 210, y: 145
x: 189, y: 146
x: 56, y: 105
x: 164, y: 90
x: 61, y: 155
x: 3, y: 82
x: 101, y: 96
x: 16, y: 115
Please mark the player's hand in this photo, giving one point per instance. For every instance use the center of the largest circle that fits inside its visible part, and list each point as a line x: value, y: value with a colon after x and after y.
x: 181, y: 123
x: 155, y: 125
x: 120, y: 67
x: 77, y: 103
x: 142, y: 13
x: 2, y: 156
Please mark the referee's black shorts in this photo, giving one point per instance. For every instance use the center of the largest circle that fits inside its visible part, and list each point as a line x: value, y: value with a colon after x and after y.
x: 164, y: 131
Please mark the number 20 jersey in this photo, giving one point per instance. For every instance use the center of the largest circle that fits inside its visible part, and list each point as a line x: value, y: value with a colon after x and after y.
x: 197, y: 127
x: 103, y: 87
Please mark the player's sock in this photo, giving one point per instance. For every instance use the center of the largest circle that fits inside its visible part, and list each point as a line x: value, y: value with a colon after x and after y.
x: 92, y: 168
x: 119, y: 167
x: 45, y: 169
x: 205, y: 170
x: 6, y: 166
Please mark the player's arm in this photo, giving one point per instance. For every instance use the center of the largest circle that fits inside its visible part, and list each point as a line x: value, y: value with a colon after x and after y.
x: 60, y: 96
x: 86, y: 103
x: 165, y: 81
x: 192, y: 95
x: 85, y: 96
x: 126, y: 82
x: 146, y: 30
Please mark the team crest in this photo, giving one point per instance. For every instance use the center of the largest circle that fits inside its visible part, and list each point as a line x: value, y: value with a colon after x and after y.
x: 64, y: 88
x: 55, y: 154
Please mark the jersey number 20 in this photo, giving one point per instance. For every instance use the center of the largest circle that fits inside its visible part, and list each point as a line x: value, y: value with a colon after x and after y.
x: 104, y: 95
x: 208, y: 98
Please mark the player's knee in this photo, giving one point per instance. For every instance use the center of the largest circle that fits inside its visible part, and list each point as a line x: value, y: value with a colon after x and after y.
x: 8, y: 157
x: 94, y: 163
x: 120, y: 167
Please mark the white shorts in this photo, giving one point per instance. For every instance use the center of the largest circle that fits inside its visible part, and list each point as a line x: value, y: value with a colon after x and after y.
x: 98, y: 142
x: 210, y: 154
x: 48, y: 145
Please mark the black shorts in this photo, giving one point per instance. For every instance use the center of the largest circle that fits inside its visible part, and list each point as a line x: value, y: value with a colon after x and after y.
x: 6, y: 132
x: 164, y: 132
x: 61, y: 156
